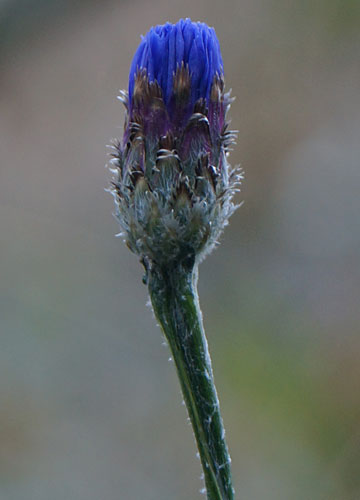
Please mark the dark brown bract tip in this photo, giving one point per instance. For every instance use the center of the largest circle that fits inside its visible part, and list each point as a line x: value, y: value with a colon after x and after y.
x: 167, y: 141
x: 201, y: 107
x: 182, y: 84
x: 145, y: 92
x: 217, y: 89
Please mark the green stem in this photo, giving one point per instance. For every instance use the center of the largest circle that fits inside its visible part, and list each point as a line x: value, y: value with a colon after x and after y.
x: 175, y: 301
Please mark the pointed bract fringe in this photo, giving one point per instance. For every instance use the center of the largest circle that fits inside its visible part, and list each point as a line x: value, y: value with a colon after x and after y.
x: 173, y: 186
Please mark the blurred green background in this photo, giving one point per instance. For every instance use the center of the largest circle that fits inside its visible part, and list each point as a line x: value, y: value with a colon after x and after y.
x: 90, y: 408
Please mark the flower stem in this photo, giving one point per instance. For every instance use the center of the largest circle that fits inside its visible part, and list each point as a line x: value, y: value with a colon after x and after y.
x: 175, y: 301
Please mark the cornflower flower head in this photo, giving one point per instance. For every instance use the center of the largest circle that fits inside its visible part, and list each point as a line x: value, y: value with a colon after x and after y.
x: 173, y: 185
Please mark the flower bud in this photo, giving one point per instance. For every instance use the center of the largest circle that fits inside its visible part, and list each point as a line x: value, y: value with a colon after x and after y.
x: 173, y: 185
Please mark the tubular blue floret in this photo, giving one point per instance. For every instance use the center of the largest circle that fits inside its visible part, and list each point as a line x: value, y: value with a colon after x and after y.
x: 165, y: 47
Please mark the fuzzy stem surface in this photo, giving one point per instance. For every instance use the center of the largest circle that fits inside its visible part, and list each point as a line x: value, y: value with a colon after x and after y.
x: 173, y: 293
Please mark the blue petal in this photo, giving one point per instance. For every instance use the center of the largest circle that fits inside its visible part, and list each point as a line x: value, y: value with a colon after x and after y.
x: 166, y: 46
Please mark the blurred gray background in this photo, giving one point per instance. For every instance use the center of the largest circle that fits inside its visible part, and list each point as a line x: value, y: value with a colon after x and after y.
x: 90, y: 408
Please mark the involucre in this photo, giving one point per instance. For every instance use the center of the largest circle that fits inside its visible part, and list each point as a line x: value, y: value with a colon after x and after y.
x: 173, y: 186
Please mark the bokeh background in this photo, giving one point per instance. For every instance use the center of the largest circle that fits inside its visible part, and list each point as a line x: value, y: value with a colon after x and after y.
x: 90, y: 408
